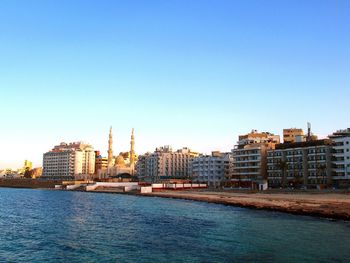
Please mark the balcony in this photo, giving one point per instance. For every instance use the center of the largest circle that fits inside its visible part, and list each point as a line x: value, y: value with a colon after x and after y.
x: 341, y: 177
x: 245, y: 154
x: 237, y: 174
x: 338, y: 162
x: 318, y: 153
x: 248, y: 161
x: 317, y: 161
x: 338, y: 170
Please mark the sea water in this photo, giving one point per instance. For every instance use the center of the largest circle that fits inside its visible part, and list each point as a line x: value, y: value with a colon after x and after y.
x: 63, y: 226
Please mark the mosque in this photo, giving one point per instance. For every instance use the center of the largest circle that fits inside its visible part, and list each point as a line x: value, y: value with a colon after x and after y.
x: 123, y: 164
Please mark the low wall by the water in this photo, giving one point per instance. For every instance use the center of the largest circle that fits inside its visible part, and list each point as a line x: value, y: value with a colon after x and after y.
x: 178, y: 186
x: 115, y: 184
x: 127, y: 186
x: 132, y: 186
x: 72, y: 186
x: 28, y: 183
x: 146, y: 189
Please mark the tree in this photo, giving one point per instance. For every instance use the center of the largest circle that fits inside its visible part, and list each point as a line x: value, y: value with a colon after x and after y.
x: 323, y: 168
x: 27, y: 173
x: 282, y: 165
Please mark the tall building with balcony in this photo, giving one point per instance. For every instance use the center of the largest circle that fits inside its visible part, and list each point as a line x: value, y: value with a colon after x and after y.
x: 250, y: 158
x: 69, y: 161
x: 166, y: 163
x: 142, y: 166
x: 212, y: 169
x: 300, y: 163
x: 341, y: 157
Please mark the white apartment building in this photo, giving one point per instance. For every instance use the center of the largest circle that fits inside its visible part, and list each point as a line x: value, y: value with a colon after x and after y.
x: 212, y: 169
x: 165, y: 163
x: 341, y: 157
x: 69, y: 161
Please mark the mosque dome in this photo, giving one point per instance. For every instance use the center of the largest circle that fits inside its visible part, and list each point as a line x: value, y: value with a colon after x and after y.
x: 120, y: 160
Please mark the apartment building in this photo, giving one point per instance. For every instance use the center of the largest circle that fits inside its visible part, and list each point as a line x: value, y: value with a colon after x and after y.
x: 69, y: 161
x: 341, y: 158
x: 166, y: 163
x: 249, y: 166
x: 212, y: 169
x: 101, y: 163
x: 300, y: 164
x: 142, y: 166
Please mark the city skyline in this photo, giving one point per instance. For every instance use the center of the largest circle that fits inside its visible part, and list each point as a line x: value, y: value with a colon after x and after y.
x: 121, y: 148
x: 183, y: 74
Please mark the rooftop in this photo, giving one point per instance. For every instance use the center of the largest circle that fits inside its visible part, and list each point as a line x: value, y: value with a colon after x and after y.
x: 340, y: 133
x: 303, y: 144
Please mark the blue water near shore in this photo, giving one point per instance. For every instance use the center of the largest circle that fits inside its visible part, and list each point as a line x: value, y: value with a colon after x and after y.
x: 60, y: 226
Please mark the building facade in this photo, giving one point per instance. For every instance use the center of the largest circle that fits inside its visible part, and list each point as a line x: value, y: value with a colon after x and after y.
x: 249, y: 167
x: 293, y: 135
x: 101, y: 163
x: 69, y: 161
x: 300, y: 164
x: 341, y: 158
x: 166, y: 163
x: 142, y: 166
x: 212, y: 169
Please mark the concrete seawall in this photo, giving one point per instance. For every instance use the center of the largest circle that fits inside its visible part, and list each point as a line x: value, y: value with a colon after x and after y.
x: 28, y: 183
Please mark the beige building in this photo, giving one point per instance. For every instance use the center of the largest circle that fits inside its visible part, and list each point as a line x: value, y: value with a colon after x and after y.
x: 249, y: 167
x: 101, y: 163
x: 166, y: 163
x: 69, y: 161
x: 293, y: 135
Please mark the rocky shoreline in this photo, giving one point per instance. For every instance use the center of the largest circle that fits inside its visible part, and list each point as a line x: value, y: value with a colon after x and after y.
x: 326, y: 205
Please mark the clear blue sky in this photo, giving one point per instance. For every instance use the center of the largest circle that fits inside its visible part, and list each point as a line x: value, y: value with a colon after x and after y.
x: 184, y: 73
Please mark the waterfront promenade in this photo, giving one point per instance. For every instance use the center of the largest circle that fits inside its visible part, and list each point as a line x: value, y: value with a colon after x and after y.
x: 329, y: 205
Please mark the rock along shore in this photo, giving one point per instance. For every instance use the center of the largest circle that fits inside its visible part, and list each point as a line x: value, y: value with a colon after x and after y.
x: 327, y: 205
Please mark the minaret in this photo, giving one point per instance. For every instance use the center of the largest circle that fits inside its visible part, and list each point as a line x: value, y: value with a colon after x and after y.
x: 110, y: 148
x: 132, y: 152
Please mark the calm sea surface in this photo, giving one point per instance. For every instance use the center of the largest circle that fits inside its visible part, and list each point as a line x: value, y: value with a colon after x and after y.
x: 59, y: 226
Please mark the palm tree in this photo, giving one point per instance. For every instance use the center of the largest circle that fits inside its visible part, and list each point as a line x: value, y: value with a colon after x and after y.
x: 282, y: 165
x: 323, y: 168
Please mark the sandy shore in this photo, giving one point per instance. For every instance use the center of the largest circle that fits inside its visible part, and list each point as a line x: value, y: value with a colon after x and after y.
x: 329, y: 205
